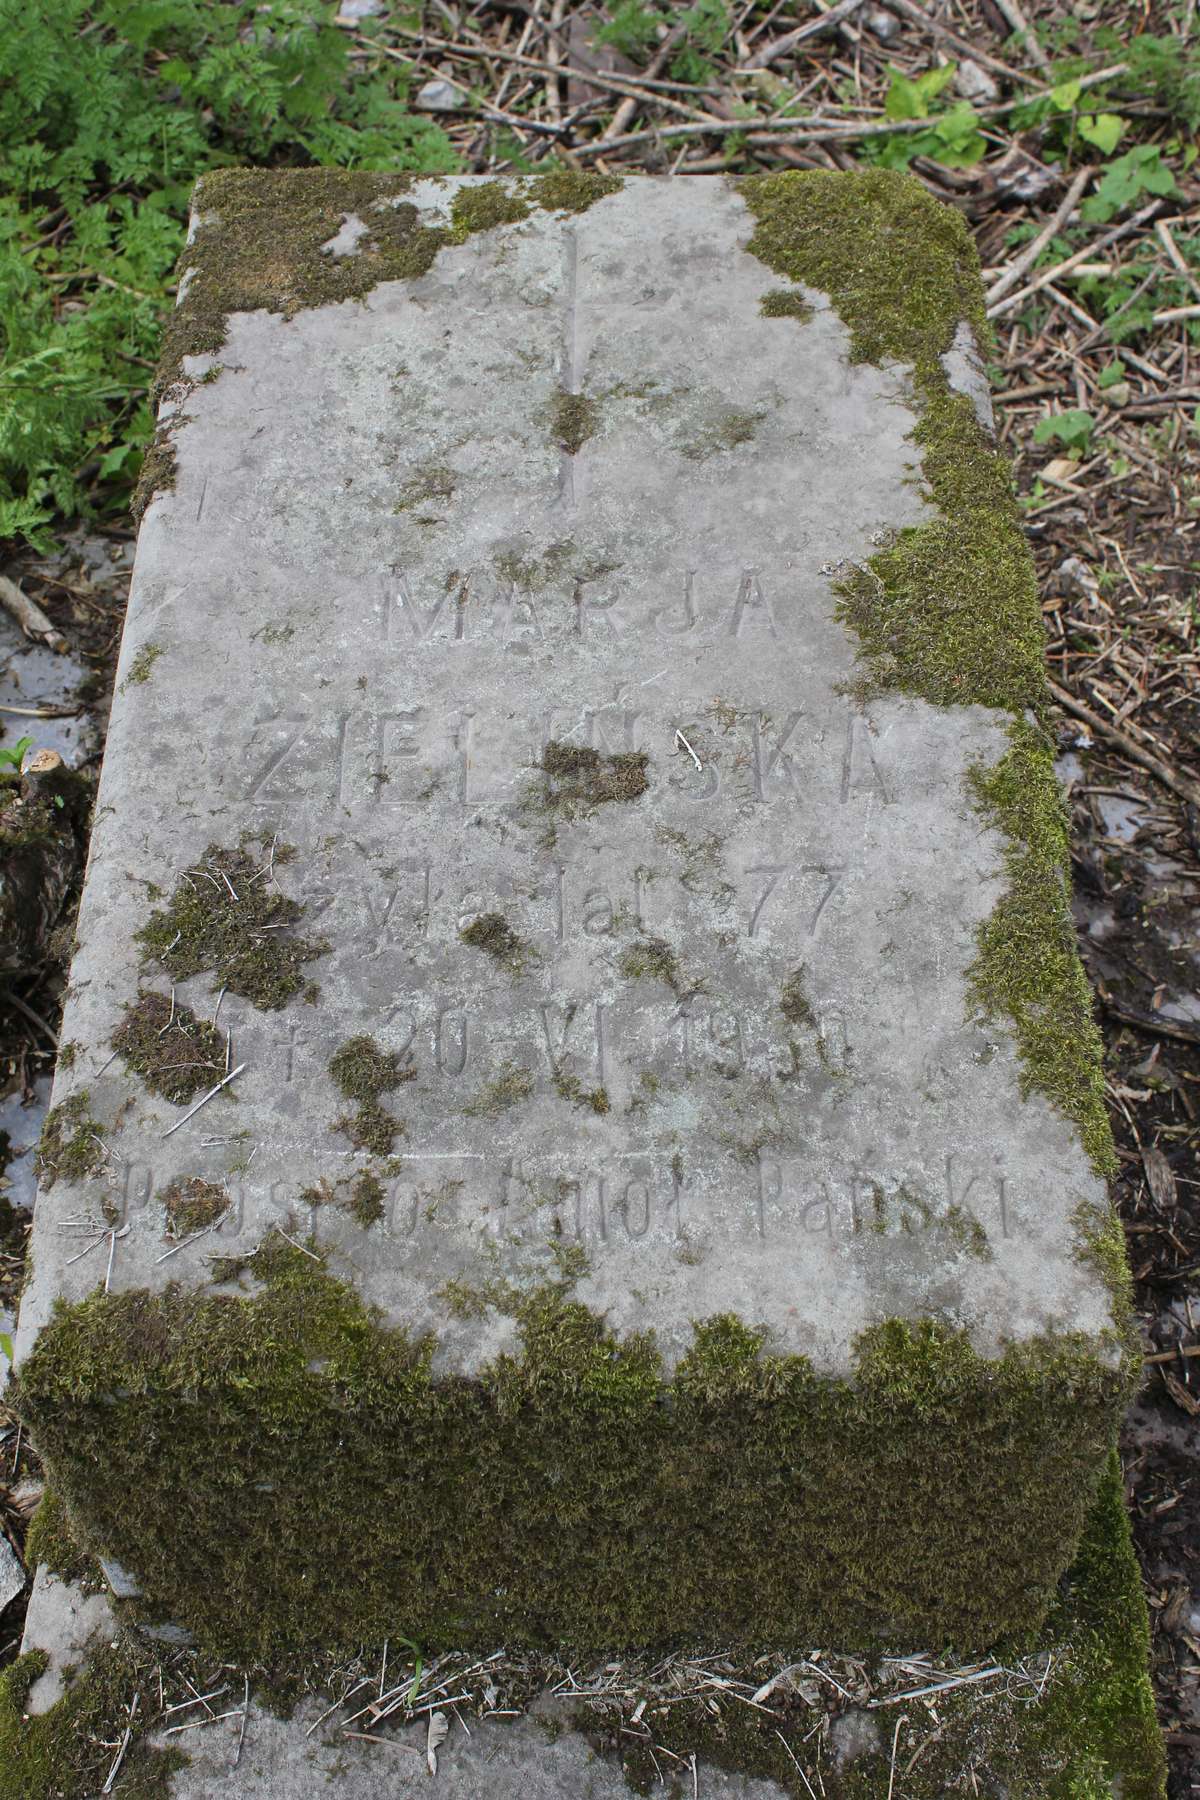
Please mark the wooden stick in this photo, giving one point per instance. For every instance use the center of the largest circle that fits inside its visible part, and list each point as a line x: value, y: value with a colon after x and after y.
x: 1020, y: 24
x: 1031, y: 252
x: 30, y: 617
x: 1179, y: 784
x: 781, y: 45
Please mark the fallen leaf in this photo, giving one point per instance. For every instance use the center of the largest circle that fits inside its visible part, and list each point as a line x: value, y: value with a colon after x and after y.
x: 1160, y: 1177
x: 439, y: 1731
x: 1180, y: 1395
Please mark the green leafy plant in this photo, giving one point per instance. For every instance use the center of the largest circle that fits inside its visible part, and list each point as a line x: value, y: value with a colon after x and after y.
x: 635, y: 29
x: 108, y: 112
x: 14, y: 756
x: 953, y: 136
x: 1125, y: 180
x: 1072, y: 429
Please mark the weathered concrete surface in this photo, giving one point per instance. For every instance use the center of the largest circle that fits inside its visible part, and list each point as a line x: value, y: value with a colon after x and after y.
x: 530, y: 1758
x: 380, y: 589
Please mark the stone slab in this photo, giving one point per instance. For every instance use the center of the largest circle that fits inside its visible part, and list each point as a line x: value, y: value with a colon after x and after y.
x: 371, y: 668
x: 494, y: 609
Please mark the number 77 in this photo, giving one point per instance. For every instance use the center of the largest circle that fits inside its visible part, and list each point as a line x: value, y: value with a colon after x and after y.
x: 775, y: 872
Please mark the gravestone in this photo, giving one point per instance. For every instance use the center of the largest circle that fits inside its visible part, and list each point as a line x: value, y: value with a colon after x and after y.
x: 574, y: 801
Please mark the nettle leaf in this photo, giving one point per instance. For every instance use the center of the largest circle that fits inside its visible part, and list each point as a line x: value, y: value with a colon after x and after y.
x: 1064, y: 96
x: 1073, y: 428
x: 909, y: 99
x: 1104, y: 130
x: 1140, y: 171
x: 961, y: 143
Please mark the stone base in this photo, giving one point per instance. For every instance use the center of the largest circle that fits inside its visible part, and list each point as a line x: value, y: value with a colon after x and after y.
x: 1071, y: 1715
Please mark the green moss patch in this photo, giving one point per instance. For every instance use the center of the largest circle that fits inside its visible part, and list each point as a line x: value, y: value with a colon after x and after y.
x: 193, y: 1205
x: 72, y: 1142
x: 794, y: 1002
x: 362, y: 1196
x: 226, y: 919
x: 786, y: 303
x: 487, y: 204
x: 492, y: 933
x: 569, y: 1087
x: 651, y: 959
x: 512, y: 1086
x: 573, y: 1493
x: 260, y: 237
x: 68, y: 1752
x: 364, y: 1072
x: 51, y: 1542
x: 573, y: 420
x: 1068, y: 1715
x: 571, y: 190
x: 579, y: 778
x: 142, y: 665
x: 175, y: 1053
x: 1027, y: 966
x: 950, y: 612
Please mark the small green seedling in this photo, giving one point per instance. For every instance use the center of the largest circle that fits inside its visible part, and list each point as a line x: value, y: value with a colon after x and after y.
x: 14, y: 757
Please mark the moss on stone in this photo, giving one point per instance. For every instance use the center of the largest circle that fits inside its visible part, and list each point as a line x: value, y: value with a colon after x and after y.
x: 513, y: 1085
x: 432, y: 481
x: 72, y: 1142
x: 51, y: 1543
x: 67, y: 1752
x: 573, y: 420
x: 569, y: 1087
x: 786, y: 303
x: 483, y: 206
x: 225, y: 919
x: 259, y: 243
x: 364, y: 1072
x: 651, y: 959
x: 950, y: 612
x: 728, y: 428
x: 1079, y: 1725
x: 142, y: 665
x: 175, y: 1053
x: 1027, y: 966
x: 158, y: 472
x: 794, y: 1002
x: 492, y: 933
x: 527, y: 1504
x: 193, y: 1205
x: 363, y: 1196
x: 579, y: 778
x: 571, y: 190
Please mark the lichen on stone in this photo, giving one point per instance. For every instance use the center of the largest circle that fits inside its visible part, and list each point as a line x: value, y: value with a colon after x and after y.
x: 175, y: 1053
x: 226, y: 919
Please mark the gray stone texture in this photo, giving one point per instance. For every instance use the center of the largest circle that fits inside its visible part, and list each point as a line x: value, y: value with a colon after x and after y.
x: 380, y: 589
